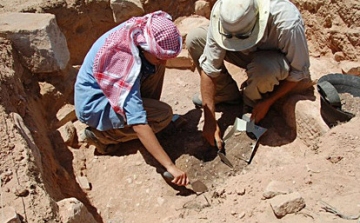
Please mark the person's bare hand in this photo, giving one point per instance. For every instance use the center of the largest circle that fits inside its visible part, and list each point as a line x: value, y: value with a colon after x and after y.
x: 219, y: 143
x: 212, y: 134
x: 180, y: 177
x: 259, y: 111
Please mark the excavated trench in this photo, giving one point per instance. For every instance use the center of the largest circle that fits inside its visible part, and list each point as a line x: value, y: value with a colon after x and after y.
x: 45, y: 95
x: 41, y: 98
x: 60, y: 165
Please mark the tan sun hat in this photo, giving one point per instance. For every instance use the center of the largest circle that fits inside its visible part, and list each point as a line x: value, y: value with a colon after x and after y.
x: 246, y: 19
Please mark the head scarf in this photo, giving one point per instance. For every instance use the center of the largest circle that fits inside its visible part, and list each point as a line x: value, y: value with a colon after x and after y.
x: 117, y: 64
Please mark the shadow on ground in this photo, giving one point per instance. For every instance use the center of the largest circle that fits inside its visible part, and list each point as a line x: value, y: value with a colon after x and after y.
x: 188, y: 149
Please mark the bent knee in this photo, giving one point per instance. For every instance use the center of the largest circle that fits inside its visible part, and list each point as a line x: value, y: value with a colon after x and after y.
x: 267, y: 66
x: 196, y: 38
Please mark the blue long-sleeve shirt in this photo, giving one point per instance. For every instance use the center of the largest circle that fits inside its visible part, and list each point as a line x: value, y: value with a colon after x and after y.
x: 91, y: 105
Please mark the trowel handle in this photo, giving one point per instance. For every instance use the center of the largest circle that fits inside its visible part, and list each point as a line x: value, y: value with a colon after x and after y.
x: 222, y: 144
x: 168, y: 175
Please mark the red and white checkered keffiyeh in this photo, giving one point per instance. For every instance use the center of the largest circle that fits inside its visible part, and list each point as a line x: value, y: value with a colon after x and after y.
x: 117, y: 64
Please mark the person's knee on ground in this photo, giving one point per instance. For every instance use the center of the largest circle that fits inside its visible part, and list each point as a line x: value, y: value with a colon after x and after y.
x: 96, y: 138
x: 227, y: 91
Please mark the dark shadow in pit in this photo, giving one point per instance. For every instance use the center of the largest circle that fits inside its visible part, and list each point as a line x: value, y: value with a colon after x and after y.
x: 191, y: 153
x: 280, y: 121
x: 178, y: 143
x: 125, y: 148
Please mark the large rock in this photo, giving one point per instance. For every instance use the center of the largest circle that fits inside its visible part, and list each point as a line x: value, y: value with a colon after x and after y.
x: 125, y: 9
x: 302, y: 112
x: 38, y: 39
x: 186, y: 24
x: 71, y: 210
x: 287, y: 204
x: 182, y: 61
x: 203, y: 8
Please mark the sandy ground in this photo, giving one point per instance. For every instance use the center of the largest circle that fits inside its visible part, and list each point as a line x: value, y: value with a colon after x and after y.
x: 129, y: 187
x: 319, y: 163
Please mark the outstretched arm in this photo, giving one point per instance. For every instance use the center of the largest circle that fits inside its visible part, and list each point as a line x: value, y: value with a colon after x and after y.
x: 149, y: 140
x: 211, y: 130
x: 262, y: 107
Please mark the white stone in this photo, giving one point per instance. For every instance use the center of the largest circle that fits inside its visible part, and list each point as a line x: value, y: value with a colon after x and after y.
x: 186, y: 24
x: 182, y: 61
x: 287, y: 204
x: 275, y: 188
x: 9, y: 215
x: 72, y: 210
x: 202, y: 8
x: 66, y: 113
x: 68, y: 133
x: 42, y: 45
x: 83, y: 182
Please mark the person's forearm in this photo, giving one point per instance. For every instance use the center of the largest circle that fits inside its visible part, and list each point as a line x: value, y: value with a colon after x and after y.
x: 284, y: 88
x: 207, y: 86
x: 149, y: 140
x: 211, y: 130
x: 262, y: 107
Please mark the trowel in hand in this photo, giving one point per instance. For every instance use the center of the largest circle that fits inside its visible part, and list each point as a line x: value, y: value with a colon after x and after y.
x: 197, y: 185
x: 221, y: 154
x: 248, y: 125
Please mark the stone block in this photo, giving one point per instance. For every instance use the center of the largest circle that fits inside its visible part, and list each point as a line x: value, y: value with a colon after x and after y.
x: 39, y: 40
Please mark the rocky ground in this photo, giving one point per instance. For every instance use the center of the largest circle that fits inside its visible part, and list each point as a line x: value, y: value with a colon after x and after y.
x: 302, y: 170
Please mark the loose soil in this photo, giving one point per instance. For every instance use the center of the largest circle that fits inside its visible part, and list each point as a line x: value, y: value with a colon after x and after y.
x: 298, y: 149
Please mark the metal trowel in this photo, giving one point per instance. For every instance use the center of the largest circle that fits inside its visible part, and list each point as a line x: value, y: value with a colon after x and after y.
x: 221, y: 154
x: 248, y: 125
x: 197, y: 185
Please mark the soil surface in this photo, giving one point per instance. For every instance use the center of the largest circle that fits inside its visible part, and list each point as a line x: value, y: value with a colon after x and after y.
x: 318, y: 162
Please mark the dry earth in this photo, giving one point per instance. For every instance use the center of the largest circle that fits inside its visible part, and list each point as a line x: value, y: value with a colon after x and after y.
x: 320, y: 163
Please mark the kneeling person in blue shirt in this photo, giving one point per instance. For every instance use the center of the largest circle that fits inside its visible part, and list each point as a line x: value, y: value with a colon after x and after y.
x: 119, y: 84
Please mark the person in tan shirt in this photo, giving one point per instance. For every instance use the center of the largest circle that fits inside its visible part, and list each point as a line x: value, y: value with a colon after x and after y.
x: 265, y: 37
